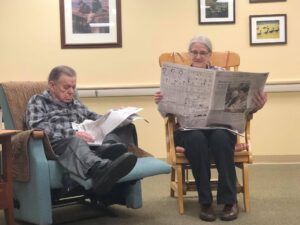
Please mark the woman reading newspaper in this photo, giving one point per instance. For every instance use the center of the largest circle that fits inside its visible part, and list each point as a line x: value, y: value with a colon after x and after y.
x: 198, y: 145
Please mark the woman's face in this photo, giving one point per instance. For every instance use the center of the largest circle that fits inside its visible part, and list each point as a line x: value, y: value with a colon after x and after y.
x: 199, y: 55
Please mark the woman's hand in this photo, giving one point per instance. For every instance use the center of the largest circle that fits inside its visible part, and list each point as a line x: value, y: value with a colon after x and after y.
x: 259, y: 100
x: 158, y: 97
x: 85, y: 136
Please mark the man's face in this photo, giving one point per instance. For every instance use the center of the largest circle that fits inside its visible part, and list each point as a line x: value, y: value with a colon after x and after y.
x: 64, y: 88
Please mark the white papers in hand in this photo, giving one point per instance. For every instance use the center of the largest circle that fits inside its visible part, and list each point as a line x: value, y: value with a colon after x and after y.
x: 107, y: 123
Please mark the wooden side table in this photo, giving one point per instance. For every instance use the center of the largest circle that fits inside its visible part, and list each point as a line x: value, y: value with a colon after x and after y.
x: 6, y: 189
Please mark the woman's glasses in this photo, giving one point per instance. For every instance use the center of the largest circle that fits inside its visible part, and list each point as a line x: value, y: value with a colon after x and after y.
x: 201, y: 53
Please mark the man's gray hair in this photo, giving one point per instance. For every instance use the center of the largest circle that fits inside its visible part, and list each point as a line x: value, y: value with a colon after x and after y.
x: 203, y: 40
x: 57, y: 71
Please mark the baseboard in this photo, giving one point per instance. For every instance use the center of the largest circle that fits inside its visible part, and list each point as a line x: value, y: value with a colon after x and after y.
x: 276, y: 159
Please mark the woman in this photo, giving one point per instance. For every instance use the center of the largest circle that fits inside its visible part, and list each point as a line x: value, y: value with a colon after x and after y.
x: 199, y: 145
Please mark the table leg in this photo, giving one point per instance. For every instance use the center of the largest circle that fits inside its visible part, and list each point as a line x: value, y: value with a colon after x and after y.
x: 7, y: 176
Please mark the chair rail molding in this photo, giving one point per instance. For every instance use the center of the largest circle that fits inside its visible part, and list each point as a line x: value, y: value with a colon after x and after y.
x: 148, y: 90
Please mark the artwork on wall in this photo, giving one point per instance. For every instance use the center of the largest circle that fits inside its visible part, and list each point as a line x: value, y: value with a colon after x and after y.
x: 90, y: 23
x: 216, y: 11
x: 258, y: 1
x: 268, y: 29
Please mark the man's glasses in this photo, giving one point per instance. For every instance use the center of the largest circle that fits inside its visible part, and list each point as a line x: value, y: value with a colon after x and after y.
x: 196, y: 53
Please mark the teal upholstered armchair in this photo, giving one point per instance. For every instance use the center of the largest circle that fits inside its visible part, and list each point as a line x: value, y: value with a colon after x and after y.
x: 35, y: 196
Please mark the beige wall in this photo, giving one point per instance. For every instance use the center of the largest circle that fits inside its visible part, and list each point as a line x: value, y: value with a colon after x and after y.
x: 30, y: 47
x: 30, y: 41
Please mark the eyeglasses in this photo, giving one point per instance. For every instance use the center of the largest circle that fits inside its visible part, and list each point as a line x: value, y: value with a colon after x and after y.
x: 196, y: 53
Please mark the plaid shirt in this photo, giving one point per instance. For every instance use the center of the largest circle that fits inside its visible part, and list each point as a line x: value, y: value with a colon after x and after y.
x: 54, y: 117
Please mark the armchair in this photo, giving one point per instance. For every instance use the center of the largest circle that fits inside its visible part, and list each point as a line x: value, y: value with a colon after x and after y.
x: 35, y: 198
x: 180, y: 182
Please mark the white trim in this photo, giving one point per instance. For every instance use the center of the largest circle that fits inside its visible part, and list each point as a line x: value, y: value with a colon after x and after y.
x: 87, y: 93
x: 127, y: 91
x: 282, y: 87
x: 293, y: 86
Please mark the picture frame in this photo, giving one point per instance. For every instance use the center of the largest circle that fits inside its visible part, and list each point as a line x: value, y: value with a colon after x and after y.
x: 263, y: 1
x: 268, y: 29
x: 216, y: 11
x: 90, y: 23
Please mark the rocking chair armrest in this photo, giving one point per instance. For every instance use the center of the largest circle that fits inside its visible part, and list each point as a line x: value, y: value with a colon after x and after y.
x: 247, y: 139
x: 170, y: 128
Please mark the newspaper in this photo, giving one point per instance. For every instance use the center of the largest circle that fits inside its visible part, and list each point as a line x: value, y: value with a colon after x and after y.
x: 108, y: 122
x: 205, y: 99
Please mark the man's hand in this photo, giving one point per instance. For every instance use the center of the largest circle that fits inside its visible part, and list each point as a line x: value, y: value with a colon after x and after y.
x: 85, y: 136
x: 259, y: 100
x: 158, y: 97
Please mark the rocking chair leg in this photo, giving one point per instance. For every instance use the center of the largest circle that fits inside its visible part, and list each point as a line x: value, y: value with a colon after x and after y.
x: 172, y: 193
x: 246, y: 194
x: 180, y: 189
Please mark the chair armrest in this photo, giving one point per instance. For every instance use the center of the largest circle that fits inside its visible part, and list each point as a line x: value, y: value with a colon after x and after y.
x: 38, y: 134
x: 248, y: 139
x: 32, y: 209
x: 170, y: 128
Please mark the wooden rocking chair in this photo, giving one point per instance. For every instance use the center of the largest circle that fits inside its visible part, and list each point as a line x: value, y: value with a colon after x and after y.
x: 180, y: 182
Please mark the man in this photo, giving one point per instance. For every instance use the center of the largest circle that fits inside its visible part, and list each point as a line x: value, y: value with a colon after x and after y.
x: 54, y: 110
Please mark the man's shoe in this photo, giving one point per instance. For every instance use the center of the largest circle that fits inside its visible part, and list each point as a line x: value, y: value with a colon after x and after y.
x: 230, y: 212
x: 106, y: 176
x: 207, y: 213
x: 111, y: 151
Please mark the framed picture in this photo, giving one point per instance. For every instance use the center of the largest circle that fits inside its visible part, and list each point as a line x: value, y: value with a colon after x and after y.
x: 268, y: 29
x: 216, y: 11
x: 90, y: 23
x: 258, y: 1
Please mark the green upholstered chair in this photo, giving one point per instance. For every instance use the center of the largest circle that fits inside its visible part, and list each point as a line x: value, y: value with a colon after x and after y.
x: 35, y: 198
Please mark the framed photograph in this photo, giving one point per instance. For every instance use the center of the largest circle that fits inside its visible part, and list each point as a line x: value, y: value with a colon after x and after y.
x: 90, y: 23
x: 216, y: 11
x: 268, y: 29
x: 258, y: 1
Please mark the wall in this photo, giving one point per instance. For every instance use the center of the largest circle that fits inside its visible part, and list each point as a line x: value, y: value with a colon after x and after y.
x: 30, y: 39
x: 30, y: 47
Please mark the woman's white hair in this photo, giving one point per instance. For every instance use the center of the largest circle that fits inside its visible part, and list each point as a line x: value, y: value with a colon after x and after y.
x: 203, y: 40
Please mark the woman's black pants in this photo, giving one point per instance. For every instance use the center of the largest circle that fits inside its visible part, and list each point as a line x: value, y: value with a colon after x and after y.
x: 202, y: 146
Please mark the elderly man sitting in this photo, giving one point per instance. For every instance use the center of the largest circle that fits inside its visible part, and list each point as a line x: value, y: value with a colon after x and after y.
x: 54, y: 111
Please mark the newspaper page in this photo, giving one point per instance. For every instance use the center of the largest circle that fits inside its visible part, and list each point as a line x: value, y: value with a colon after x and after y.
x: 108, y: 122
x: 187, y: 93
x: 205, y: 99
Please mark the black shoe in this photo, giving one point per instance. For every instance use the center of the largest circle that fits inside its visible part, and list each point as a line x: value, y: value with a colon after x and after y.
x: 230, y: 212
x: 105, y: 177
x: 111, y: 151
x: 207, y: 213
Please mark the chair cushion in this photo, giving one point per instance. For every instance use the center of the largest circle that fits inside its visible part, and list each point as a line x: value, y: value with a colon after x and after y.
x: 145, y: 167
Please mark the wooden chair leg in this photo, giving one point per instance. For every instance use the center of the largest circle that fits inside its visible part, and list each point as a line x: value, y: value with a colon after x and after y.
x: 180, y: 189
x: 172, y: 193
x: 184, y: 187
x: 9, y: 216
x: 246, y: 193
